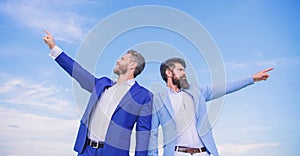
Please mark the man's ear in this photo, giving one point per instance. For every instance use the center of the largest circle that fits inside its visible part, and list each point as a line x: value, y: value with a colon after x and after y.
x: 132, y: 65
x: 169, y: 73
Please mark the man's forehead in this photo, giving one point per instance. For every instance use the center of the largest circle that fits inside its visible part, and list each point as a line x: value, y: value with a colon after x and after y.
x: 178, y: 65
x: 126, y: 56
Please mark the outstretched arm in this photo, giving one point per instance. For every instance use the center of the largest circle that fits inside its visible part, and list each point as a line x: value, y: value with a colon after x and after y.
x: 213, y: 92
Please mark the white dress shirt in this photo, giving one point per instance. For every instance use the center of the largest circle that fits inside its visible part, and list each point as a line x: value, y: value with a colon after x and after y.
x: 103, y: 111
x: 107, y: 103
x: 185, y: 119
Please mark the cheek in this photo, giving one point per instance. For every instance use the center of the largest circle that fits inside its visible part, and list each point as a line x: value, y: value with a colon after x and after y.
x: 177, y: 75
x: 125, y: 66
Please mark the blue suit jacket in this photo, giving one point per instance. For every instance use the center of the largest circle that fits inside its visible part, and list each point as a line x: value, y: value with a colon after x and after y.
x: 134, y: 107
x: 163, y: 114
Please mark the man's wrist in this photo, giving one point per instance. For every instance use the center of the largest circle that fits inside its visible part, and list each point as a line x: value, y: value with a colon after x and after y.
x: 51, y: 46
x: 55, y: 52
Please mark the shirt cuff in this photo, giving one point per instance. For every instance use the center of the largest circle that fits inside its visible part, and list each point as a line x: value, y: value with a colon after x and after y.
x: 55, y: 52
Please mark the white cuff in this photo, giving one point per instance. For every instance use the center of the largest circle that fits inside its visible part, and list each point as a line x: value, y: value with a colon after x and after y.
x: 55, y: 52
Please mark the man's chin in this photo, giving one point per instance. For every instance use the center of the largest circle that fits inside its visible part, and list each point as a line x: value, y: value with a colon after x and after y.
x: 184, y: 83
x: 185, y: 86
x: 116, y: 72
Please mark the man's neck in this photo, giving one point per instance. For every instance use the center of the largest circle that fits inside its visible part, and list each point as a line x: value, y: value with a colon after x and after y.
x: 173, y: 87
x: 124, y: 78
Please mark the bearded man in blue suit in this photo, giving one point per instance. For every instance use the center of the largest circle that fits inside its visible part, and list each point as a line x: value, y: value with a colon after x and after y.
x: 114, y: 107
x: 181, y: 111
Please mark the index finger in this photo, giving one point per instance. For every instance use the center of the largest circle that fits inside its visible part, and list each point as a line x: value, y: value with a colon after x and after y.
x: 267, y: 70
x: 47, y: 32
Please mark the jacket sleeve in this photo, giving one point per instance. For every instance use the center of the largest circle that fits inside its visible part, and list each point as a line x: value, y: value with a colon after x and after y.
x: 82, y: 76
x: 153, y: 142
x: 143, y: 126
x: 213, y: 92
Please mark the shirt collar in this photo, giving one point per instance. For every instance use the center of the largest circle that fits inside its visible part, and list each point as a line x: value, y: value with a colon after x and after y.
x: 129, y: 82
x: 172, y: 91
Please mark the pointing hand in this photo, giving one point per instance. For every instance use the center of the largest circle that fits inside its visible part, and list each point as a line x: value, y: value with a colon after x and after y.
x: 262, y: 75
x: 49, y: 40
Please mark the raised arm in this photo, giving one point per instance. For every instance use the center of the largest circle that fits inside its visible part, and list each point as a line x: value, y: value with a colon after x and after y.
x: 82, y: 76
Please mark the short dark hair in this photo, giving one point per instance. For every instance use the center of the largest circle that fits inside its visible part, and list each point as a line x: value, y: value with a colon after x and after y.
x: 139, y: 59
x: 169, y: 64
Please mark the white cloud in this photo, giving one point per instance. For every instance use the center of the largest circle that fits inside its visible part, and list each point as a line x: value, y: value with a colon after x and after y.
x: 242, y: 148
x: 36, y: 118
x: 37, y: 96
x: 28, y: 134
x: 256, y: 128
x: 271, y: 62
x: 259, y: 53
x: 56, y: 16
x: 236, y: 65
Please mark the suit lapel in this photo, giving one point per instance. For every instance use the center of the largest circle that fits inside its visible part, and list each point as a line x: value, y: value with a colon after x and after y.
x: 166, y: 100
x: 203, y: 123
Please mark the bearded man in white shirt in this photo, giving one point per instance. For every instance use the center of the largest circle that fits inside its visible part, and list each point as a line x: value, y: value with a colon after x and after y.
x: 181, y: 111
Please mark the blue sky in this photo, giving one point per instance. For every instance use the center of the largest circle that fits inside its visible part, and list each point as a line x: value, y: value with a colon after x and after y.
x: 38, y: 113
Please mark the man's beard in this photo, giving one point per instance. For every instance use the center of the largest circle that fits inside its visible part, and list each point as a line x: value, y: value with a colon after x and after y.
x: 120, y: 70
x: 180, y: 82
